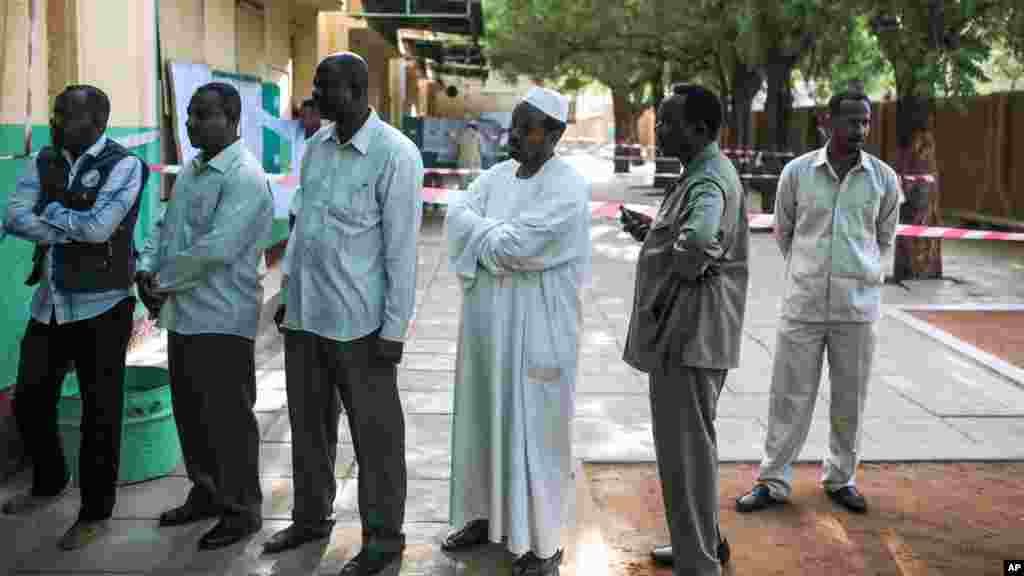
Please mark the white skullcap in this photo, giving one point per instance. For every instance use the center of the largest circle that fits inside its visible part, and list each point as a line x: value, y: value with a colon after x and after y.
x: 549, y: 102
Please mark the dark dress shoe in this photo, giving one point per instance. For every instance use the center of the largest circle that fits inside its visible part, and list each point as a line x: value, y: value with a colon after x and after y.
x: 663, y: 554
x: 188, y: 513
x: 471, y: 535
x: 296, y: 535
x: 848, y: 497
x: 230, y: 530
x: 757, y: 499
x: 530, y: 564
x: 367, y: 562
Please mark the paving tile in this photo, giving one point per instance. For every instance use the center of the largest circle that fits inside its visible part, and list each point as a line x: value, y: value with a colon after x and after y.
x: 732, y: 405
x: 918, y: 439
x: 950, y: 394
x: 131, y: 546
x: 425, y: 380
x: 751, y: 377
x: 435, y: 402
x: 427, y: 346
x: 272, y: 360
x: 426, y: 500
x: 597, y: 438
x: 1001, y: 437
x: 147, y: 500
x: 271, y: 379
x: 611, y: 384
x: 270, y: 399
x: 276, y: 427
x: 739, y: 439
x: 276, y: 460
x: 428, y: 362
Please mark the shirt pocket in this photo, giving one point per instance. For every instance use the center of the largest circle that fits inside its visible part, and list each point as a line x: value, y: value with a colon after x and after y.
x: 355, y: 203
x: 200, y: 209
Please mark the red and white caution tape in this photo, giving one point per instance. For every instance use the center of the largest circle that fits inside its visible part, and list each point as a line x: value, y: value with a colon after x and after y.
x: 452, y: 171
x: 610, y: 210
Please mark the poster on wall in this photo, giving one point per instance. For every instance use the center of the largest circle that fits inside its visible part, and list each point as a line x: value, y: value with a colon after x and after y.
x: 185, y: 78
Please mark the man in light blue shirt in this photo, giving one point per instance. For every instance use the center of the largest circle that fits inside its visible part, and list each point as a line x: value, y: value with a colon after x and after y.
x: 78, y: 202
x: 350, y: 276
x: 205, y: 259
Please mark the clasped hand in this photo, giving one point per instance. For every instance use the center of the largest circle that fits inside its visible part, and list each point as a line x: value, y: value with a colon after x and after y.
x: 634, y: 223
x: 151, y: 299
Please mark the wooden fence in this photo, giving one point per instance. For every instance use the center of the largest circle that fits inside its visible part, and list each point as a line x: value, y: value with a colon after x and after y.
x: 979, y: 151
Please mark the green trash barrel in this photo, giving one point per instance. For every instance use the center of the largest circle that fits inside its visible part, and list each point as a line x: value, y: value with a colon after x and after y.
x: 149, y: 436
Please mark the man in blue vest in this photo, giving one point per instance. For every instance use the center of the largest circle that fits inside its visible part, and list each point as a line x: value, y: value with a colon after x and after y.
x: 78, y: 203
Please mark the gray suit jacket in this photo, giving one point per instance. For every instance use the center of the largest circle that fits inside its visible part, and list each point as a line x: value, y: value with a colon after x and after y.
x: 691, y: 275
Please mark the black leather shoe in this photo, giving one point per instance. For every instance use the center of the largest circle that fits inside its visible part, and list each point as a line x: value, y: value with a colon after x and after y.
x: 472, y: 534
x: 848, y: 497
x: 662, y: 555
x: 757, y: 499
x: 229, y: 530
x: 367, y: 563
x: 188, y: 513
x: 295, y: 536
x: 530, y: 565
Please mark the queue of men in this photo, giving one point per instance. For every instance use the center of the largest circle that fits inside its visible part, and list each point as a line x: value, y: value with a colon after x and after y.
x: 519, y: 243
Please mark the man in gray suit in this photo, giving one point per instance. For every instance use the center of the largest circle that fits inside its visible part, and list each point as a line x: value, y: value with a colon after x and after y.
x: 685, y: 330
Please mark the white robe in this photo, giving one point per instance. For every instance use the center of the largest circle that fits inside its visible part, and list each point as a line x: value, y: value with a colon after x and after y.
x: 522, y: 251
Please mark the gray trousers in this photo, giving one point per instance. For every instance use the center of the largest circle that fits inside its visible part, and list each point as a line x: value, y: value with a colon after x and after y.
x: 683, y: 405
x: 796, y: 376
x: 319, y: 372
x: 213, y: 391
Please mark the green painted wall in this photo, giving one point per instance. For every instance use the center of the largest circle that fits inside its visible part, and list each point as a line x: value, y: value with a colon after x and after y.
x: 16, y: 254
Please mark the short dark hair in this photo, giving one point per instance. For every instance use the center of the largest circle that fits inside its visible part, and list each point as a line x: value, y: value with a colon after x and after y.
x: 310, y: 103
x: 230, y: 99
x: 96, y: 101
x: 701, y: 105
x: 835, y: 103
x: 553, y: 125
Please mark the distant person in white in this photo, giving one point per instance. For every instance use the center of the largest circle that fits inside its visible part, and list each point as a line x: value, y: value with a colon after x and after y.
x: 297, y: 131
x: 468, y: 143
x: 519, y: 240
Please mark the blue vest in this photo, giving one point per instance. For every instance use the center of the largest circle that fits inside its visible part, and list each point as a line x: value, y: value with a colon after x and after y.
x: 88, y: 267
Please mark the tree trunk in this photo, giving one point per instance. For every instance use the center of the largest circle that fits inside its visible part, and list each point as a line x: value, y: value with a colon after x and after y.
x: 779, y: 105
x: 625, y: 119
x: 917, y: 258
x: 746, y: 81
x: 625, y: 126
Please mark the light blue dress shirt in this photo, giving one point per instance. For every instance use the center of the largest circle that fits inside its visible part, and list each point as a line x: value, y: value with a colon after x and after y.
x: 350, y: 264
x: 207, y: 247
x: 59, y: 225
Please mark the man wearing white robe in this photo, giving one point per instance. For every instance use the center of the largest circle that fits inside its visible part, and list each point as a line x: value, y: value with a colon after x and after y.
x: 519, y: 241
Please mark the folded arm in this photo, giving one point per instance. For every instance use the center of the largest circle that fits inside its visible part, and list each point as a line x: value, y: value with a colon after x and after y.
x: 21, y: 219
x: 113, y: 201
x: 536, y: 242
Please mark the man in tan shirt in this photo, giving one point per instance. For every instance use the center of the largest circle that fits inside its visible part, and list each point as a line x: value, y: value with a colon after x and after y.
x: 835, y: 220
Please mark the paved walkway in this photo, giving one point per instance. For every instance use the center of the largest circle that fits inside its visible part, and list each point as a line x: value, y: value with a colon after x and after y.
x: 927, y: 402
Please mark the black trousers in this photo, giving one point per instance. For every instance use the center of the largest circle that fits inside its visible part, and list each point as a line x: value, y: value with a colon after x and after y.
x: 213, y: 391
x: 98, y: 347
x: 368, y: 389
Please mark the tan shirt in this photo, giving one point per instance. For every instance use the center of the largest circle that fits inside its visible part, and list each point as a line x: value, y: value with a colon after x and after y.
x: 835, y: 236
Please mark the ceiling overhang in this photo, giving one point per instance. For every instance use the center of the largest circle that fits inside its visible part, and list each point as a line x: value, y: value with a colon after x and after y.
x: 461, y: 17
